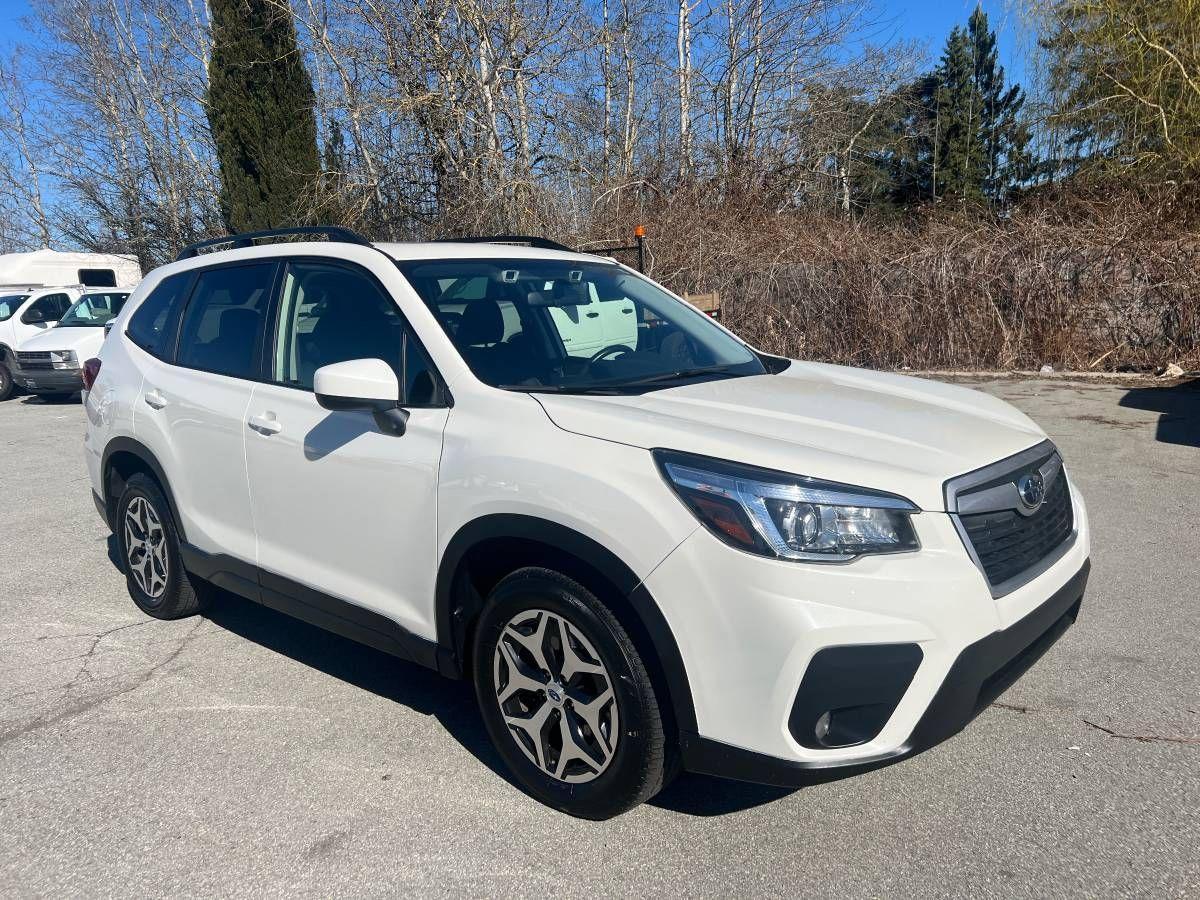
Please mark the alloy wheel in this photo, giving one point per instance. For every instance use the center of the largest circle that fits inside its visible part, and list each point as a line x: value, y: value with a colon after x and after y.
x: 146, y: 547
x: 556, y: 696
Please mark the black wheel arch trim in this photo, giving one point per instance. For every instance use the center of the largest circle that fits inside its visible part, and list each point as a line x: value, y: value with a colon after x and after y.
x: 451, y: 617
x: 145, y: 455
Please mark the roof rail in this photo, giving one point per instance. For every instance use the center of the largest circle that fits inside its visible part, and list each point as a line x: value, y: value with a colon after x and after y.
x: 540, y: 243
x: 247, y: 239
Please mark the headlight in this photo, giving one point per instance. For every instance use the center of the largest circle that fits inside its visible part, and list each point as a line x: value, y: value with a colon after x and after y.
x: 789, y: 516
x: 63, y: 359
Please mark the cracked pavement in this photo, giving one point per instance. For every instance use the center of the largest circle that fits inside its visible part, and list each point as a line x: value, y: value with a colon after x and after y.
x: 244, y: 753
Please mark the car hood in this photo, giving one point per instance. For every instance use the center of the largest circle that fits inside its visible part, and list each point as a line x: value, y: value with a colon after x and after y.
x: 871, y: 429
x: 81, y: 340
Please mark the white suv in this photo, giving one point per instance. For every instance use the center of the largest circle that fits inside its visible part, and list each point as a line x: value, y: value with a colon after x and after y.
x: 671, y: 551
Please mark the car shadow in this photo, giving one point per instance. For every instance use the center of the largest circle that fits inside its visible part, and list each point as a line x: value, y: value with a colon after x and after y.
x: 335, y: 431
x: 451, y: 702
x: 1179, y: 408
x: 52, y: 399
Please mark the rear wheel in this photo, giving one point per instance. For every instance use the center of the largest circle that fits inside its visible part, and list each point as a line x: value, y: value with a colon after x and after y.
x: 149, y: 545
x: 566, y: 698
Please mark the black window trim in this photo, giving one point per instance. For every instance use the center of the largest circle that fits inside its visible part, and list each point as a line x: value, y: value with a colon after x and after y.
x: 442, y: 396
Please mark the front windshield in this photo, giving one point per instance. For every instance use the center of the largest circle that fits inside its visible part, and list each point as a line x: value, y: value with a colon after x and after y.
x: 93, y: 310
x: 591, y: 327
x: 9, y: 304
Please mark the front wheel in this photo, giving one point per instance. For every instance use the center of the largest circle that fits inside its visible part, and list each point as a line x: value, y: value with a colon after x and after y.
x: 566, y: 698
x: 6, y: 382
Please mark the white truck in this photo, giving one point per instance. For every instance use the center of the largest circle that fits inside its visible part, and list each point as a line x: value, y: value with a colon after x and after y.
x: 37, y: 289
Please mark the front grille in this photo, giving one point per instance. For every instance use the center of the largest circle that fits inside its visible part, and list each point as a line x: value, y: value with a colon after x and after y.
x: 1008, y: 543
x: 32, y: 359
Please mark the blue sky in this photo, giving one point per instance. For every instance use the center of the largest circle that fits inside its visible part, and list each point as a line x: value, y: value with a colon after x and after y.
x: 927, y: 21
x: 930, y: 21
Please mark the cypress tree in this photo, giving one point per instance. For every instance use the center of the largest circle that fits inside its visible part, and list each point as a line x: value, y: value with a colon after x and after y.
x: 260, y: 111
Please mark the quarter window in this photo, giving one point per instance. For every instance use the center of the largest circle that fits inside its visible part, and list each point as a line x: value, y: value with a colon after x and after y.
x: 222, y: 327
x: 153, y: 323
x: 332, y: 314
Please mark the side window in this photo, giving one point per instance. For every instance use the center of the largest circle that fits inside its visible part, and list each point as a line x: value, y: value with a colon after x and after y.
x: 98, y: 277
x: 331, y: 314
x: 51, y: 307
x: 223, y: 324
x: 153, y: 323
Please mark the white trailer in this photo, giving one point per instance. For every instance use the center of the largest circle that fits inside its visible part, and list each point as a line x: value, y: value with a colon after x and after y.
x: 45, y: 268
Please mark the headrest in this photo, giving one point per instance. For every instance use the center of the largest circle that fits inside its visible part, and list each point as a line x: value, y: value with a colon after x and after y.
x: 482, y: 323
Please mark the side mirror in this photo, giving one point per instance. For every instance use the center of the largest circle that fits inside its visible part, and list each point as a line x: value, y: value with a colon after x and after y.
x: 35, y: 317
x: 368, y: 384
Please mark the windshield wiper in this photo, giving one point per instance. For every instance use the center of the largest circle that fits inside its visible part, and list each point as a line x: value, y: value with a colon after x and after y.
x: 559, y: 388
x: 680, y: 374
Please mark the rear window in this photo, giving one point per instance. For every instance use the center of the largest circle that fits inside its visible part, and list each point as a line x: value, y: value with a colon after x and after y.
x: 153, y: 323
x: 223, y: 326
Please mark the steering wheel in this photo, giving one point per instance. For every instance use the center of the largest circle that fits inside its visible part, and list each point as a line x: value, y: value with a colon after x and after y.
x: 610, y: 350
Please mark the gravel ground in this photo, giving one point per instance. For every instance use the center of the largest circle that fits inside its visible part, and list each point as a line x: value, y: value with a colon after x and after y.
x: 245, y: 753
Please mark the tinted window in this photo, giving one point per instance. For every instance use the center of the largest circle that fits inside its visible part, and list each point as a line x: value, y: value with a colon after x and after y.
x: 52, y: 307
x: 331, y: 314
x: 153, y: 323
x: 9, y: 304
x: 98, y: 277
x: 222, y: 327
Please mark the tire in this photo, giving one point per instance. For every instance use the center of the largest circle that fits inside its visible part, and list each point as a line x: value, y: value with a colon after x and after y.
x: 6, y: 383
x: 612, y: 764
x: 153, y: 568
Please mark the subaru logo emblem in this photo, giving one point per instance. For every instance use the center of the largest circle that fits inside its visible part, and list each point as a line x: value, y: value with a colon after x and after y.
x: 554, y: 695
x: 1032, y: 490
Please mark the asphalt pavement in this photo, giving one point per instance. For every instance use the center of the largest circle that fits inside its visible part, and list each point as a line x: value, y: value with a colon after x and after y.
x: 243, y: 753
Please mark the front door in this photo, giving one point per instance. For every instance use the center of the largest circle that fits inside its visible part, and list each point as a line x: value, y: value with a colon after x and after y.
x: 339, y: 506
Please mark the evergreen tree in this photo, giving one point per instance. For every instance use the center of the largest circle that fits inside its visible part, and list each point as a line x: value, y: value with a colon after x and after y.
x: 260, y: 111
x: 962, y: 137
x: 1005, y: 137
x: 959, y: 163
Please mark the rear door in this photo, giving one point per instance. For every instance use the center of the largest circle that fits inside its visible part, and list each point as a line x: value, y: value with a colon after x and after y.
x: 194, y: 397
x: 338, y: 505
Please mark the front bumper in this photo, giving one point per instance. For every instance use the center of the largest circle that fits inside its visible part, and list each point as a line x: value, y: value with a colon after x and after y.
x: 982, y: 672
x: 49, y: 381
x: 899, y: 648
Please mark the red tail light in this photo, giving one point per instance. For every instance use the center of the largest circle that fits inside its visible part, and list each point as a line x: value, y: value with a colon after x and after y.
x: 91, y: 369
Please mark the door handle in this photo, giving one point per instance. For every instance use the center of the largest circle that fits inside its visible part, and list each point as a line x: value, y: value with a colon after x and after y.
x: 592, y: 315
x: 154, y: 399
x: 265, y: 424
